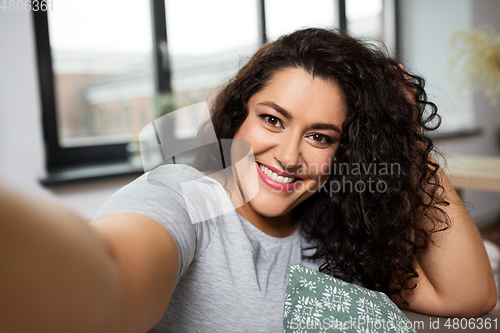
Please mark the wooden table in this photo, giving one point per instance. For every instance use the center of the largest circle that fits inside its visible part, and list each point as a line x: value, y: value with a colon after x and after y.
x: 470, y: 172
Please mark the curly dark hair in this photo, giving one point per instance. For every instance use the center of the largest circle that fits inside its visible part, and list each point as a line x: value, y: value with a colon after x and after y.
x: 367, y: 236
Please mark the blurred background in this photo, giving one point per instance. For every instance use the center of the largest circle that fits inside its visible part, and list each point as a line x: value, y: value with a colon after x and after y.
x: 79, y: 80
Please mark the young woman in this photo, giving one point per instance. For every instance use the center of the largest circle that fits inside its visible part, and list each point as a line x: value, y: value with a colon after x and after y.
x: 347, y: 186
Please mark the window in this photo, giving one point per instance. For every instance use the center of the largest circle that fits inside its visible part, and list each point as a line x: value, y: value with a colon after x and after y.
x: 103, y: 77
x: 96, y: 79
x: 207, y: 42
x: 373, y: 20
x: 285, y: 16
x: 107, y: 69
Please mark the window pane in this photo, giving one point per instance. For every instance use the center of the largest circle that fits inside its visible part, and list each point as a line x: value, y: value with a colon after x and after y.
x: 207, y: 41
x: 102, y: 62
x: 364, y: 18
x: 285, y: 16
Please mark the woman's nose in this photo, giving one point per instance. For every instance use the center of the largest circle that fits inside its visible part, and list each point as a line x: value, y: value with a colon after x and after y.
x: 287, y: 152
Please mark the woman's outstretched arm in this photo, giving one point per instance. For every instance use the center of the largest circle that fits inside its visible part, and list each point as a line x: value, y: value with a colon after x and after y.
x: 61, y: 274
x: 455, y: 276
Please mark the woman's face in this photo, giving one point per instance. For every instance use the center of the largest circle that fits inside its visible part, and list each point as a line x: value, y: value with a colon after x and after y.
x: 294, y: 126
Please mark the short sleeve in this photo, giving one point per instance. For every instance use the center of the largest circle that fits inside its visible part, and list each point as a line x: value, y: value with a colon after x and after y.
x: 164, y: 204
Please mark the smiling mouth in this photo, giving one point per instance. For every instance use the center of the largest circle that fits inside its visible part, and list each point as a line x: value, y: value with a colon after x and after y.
x: 274, y: 176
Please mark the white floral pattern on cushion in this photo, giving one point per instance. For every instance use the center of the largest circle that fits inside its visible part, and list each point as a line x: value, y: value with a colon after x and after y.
x: 316, y: 302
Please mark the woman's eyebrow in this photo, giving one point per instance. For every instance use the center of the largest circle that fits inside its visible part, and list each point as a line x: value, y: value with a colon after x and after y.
x: 327, y: 127
x: 289, y: 116
x: 278, y: 109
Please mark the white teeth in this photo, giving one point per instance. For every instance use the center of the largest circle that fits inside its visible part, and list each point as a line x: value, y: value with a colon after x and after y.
x: 275, y: 176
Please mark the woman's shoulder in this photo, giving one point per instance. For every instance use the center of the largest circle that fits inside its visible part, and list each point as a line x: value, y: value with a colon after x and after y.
x: 174, y: 190
x: 170, y: 175
x: 167, y: 179
x: 160, y: 189
x: 166, y: 195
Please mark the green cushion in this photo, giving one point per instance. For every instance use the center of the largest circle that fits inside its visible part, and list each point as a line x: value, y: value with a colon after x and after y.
x: 316, y: 302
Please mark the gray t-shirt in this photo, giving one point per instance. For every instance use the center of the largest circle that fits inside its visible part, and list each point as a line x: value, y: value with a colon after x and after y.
x: 232, y: 276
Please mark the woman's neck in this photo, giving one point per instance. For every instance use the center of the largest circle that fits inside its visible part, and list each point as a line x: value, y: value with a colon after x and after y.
x: 276, y: 226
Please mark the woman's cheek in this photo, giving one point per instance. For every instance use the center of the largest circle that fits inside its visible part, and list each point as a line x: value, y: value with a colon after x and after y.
x: 326, y: 166
x: 320, y: 164
x: 252, y: 132
x: 261, y: 139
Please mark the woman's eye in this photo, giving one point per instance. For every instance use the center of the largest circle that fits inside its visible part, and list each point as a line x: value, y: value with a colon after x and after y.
x: 271, y: 120
x: 320, y: 138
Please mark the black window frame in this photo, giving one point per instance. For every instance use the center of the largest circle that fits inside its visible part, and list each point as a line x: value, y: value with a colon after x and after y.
x: 58, y: 159
x: 56, y: 156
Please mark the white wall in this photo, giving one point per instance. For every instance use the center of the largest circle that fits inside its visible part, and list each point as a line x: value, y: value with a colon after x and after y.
x: 426, y: 26
x: 21, y: 144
